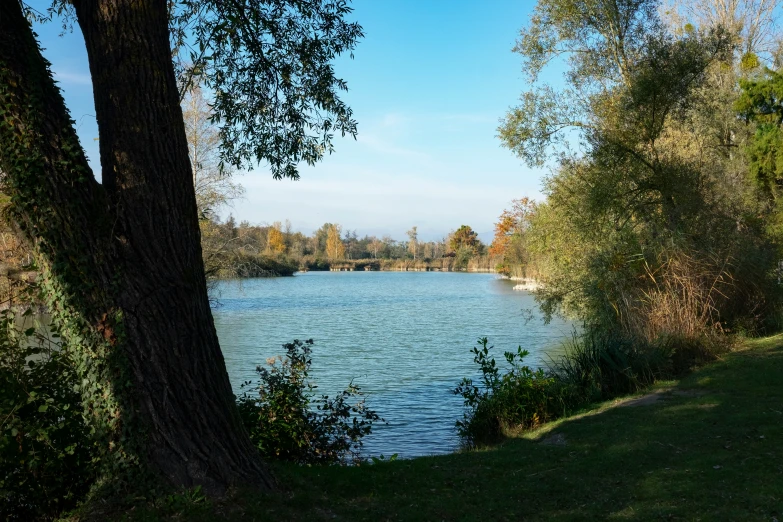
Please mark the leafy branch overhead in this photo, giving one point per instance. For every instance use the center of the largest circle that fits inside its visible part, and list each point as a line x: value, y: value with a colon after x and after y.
x: 619, y: 55
x: 598, y: 39
x: 269, y: 64
x: 277, y: 98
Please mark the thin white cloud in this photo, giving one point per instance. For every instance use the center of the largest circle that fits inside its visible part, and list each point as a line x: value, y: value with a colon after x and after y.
x: 371, y: 199
x: 394, y: 120
x: 74, y: 78
x: 386, y: 145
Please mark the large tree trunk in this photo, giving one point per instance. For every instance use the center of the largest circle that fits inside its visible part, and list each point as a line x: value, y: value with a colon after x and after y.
x: 122, y: 260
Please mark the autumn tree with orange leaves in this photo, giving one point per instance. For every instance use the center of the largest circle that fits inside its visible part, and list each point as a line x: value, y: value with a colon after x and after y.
x: 509, y: 241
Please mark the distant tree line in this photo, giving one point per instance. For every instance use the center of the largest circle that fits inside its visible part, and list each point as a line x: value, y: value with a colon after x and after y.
x: 241, y: 249
x: 234, y: 249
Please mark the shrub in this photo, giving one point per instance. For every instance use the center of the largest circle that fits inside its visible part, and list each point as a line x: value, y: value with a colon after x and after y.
x: 520, y: 398
x: 690, y: 294
x: 596, y: 365
x: 46, y: 452
x: 607, y: 364
x: 313, y: 263
x: 46, y: 460
x: 238, y: 263
x: 287, y: 421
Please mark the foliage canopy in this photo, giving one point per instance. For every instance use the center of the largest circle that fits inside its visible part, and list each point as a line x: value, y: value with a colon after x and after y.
x: 277, y: 97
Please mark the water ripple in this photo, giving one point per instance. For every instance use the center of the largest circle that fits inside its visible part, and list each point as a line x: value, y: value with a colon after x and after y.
x: 404, y: 337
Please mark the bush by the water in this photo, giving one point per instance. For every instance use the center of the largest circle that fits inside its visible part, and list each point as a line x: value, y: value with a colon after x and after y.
x: 521, y: 397
x: 287, y: 421
x: 46, y: 458
x: 240, y: 264
x: 596, y: 365
x: 604, y: 364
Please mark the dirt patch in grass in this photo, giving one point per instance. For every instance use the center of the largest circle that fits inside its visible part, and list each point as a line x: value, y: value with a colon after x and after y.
x: 656, y: 396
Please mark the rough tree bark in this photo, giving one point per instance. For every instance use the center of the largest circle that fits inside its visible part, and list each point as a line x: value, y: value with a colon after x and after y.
x: 122, y: 259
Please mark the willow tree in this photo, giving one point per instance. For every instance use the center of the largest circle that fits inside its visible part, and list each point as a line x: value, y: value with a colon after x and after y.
x: 600, y: 40
x: 120, y: 258
x: 639, y: 233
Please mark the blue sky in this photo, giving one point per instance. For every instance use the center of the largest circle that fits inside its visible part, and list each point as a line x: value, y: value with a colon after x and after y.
x: 428, y: 84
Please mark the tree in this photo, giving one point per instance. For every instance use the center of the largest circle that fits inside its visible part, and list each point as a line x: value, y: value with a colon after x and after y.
x: 275, y: 241
x: 600, y: 39
x: 511, y: 223
x: 351, y: 244
x: 638, y: 233
x: 334, y: 246
x: 761, y: 104
x: 319, y: 238
x: 299, y: 245
x: 388, y: 245
x: 375, y: 245
x: 752, y: 22
x: 630, y: 83
x: 214, y: 186
x: 118, y: 256
x: 465, y: 238
x: 510, y: 241
x: 412, y: 241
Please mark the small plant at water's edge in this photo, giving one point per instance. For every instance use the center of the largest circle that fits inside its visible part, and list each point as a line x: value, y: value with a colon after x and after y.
x: 595, y: 366
x: 522, y: 397
x: 603, y: 365
x: 287, y: 421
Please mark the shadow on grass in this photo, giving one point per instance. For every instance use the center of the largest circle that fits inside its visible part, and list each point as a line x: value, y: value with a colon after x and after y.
x: 713, y: 450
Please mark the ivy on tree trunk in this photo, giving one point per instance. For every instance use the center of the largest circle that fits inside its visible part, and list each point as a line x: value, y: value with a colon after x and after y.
x: 121, y: 260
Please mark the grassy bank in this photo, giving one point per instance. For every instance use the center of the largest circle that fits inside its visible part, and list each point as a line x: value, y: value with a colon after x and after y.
x: 709, y: 447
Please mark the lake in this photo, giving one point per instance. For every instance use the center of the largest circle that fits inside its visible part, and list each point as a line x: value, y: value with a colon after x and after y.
x: 403, y: 337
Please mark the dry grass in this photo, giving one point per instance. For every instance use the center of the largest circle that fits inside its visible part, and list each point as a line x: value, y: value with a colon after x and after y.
x: 690, y: 296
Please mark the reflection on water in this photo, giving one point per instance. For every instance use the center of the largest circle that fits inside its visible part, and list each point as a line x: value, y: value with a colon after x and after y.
x: 404, y: 337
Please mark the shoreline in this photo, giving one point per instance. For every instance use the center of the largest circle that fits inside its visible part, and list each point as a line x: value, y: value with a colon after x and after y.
x: 406, y: 269
x: 527, y: 284
x: 704, y: 435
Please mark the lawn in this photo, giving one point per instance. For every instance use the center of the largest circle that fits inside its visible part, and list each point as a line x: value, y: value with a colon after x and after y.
x: 708, y: 447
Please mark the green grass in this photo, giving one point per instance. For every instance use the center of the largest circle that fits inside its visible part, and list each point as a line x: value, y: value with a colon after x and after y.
x: 710, y: 449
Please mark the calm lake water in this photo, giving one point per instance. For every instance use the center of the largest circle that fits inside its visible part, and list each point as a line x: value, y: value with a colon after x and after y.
x: 403, y: 337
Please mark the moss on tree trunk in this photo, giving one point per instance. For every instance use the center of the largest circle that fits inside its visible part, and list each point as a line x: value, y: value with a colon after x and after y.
x: 121, y: 260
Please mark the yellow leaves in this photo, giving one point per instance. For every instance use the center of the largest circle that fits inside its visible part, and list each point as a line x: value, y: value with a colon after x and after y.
x: 275, y: 241
x: 334, y: 245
